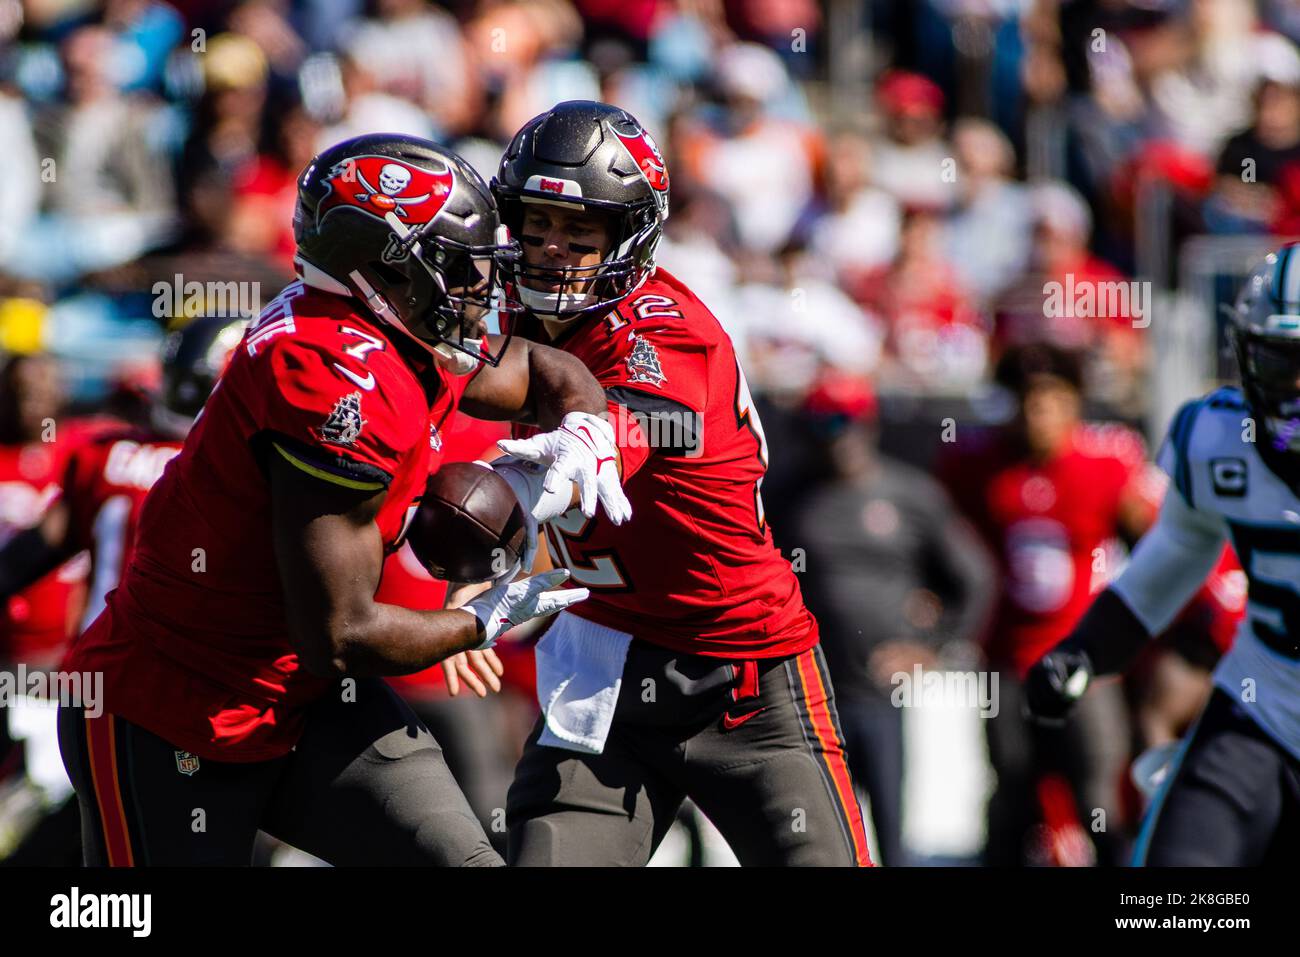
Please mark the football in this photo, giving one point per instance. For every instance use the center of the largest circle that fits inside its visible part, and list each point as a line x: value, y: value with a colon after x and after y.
x: 469, y: 526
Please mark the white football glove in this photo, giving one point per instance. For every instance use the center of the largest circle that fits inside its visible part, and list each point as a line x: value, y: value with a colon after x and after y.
x: 507, y: 604
x: 581, y: 452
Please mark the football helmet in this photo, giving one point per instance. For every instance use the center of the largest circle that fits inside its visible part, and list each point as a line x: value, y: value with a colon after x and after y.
x: 410, y: 229
x: 595, y: 157
x: 193, y: 359
x: 1265, y: 335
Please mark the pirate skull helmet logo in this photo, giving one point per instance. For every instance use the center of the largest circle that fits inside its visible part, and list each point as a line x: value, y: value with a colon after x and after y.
x: 386, y: 186
x: 393, y: 179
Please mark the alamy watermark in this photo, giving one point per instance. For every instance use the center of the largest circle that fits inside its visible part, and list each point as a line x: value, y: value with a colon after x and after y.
x: 233, y: 300
x: 1092, y: 299
x: 82, y: 689
x: 670, y: 431
x: 921, y: 688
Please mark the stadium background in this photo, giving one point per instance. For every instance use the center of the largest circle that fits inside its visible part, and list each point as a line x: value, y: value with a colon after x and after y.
x: 870, y: 195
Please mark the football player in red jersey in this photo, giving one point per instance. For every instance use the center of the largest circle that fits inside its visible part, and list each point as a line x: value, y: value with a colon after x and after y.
x: 107, y: 477
x: 97, y: 510
x: 34, y: 448
x: 1050, y: 494
x: 241, y: 654
x: 694, y: 668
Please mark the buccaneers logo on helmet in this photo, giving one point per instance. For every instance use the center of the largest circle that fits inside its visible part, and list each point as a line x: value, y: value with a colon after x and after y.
x: 641, y: 147
x: 379, y: 185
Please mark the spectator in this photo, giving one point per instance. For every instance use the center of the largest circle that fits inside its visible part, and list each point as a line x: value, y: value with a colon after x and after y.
x: 987, y: 236
x: 936, y: 339
x: 858, y: 229
x: 1109, y: 332
x: 21, y: 173
x: 368, y: 108
x: 910, y: 157
x: 109, y: 197
x: 765, y: 168
x: 415, y: 51
x: 893, y: 575
x: 266, y: 188
x: 799, y: 323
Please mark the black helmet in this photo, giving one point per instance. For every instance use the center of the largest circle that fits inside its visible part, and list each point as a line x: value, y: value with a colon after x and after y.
x: 410, y: 229
x: 193, y: 359
x: 1265, y: 335
x: 590, y: 156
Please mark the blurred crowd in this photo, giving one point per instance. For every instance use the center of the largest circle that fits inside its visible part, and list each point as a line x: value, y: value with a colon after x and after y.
x: 872, y: 197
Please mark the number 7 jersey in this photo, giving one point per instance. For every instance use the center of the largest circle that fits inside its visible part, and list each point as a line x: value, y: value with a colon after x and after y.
x: 695, y: 570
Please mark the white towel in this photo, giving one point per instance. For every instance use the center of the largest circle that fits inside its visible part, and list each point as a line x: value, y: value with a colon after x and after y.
x: 579, y: 673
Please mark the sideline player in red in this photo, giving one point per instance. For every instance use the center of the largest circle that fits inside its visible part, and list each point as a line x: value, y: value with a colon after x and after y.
x: 694, y: 668
x: 107, y: 477
x: 1050, y: 494
x: 35, y: 442
x: 243, y: 650
x: 97, y: 512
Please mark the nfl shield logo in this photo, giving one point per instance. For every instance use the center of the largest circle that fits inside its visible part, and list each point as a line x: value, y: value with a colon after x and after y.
x: 187, y: 763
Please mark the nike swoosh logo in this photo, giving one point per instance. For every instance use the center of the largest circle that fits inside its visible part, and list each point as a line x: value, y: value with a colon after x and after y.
x: 367, y: 383
x: 731, y: 724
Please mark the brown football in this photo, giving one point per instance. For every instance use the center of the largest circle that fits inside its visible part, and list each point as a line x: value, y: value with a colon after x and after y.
x: 469, y: 526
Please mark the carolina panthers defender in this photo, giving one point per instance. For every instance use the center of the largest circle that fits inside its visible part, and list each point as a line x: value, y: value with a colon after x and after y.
x: 1232, y: 794
x: 694, y: 669
x: 242, y: 653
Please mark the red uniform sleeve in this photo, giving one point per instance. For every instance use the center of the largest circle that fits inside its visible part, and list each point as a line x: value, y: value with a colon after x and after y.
x: 633, y: 446
x: 337, y: 417
x: 660, y: 375
x: 660, y: 361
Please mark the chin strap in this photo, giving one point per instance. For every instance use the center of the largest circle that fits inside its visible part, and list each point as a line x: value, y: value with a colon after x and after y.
x: 317, y: 278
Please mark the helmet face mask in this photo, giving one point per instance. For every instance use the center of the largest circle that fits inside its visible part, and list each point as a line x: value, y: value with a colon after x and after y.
x: 568, y: 292
x: 1265, y: 336
x: 468, y: 289
x: 593, y: 158
x: 411, y: 230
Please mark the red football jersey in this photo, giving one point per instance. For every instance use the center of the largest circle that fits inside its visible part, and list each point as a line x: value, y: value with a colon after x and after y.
x: 695, y: 569
x: 1052, y: 527
x: 193, y: 644
x: 36, y: 622
x: 104, y: 489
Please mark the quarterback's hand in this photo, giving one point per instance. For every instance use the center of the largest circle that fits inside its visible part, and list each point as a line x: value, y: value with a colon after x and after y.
x: 1055, y: 683
x: 507, y: 603
x: 582, y: 453
x: 480, y: 670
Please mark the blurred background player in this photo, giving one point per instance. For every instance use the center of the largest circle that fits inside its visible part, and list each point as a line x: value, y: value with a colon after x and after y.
x: 1051, y: 494
x: 38, y: 612
x: 694, y: 669
x: 1231, y: 794
x: 97, y: 511
x: 896, y: 579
